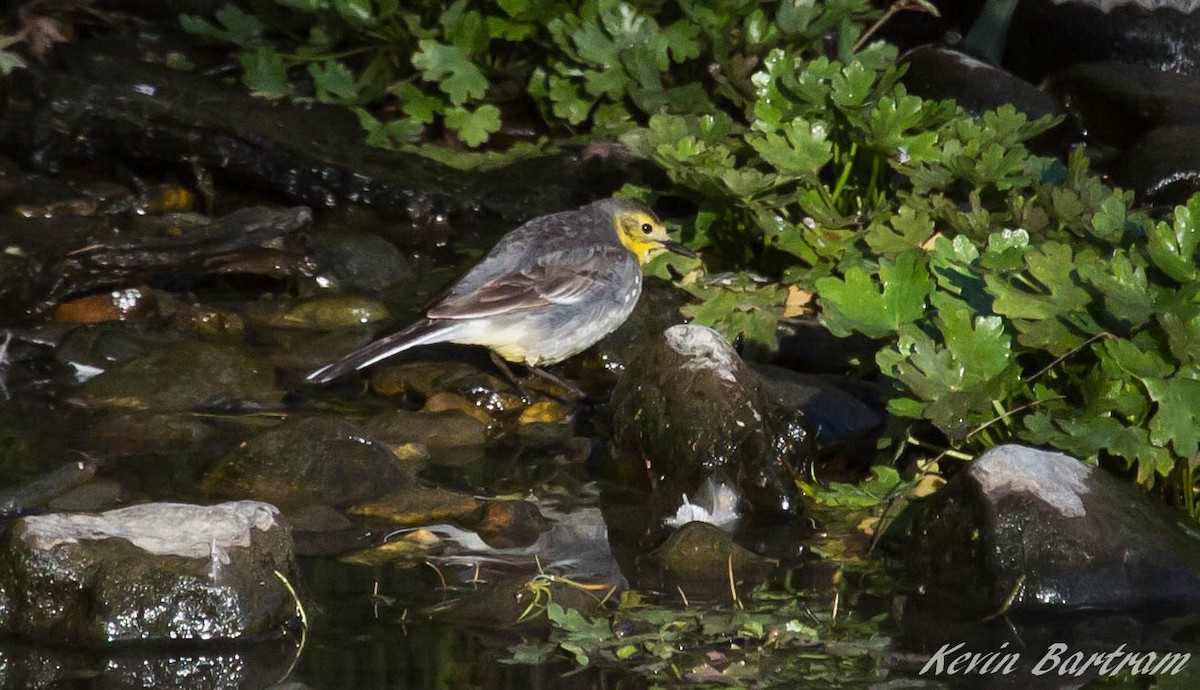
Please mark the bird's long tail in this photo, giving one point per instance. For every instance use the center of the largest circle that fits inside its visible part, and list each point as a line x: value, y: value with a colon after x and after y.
x: 422, y: 332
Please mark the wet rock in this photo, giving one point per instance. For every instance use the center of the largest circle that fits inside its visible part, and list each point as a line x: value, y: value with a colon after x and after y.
x: 187, y: 375
x: 136, y: 432
x: 938, y: 73
x: 688, y: 410
x: 423, y: 380
x: 152, y: 572
x: 318, y: 518
x: 1046, y: 36
x: 1041, y: 536
x: 127, y: 108
x: 90, y: 350
x: 447, y: 434
x: 509, y: 524
x: 94, y: 496
x: 60, y: 258
x: 269, y: 262
x: 209, y: 321
x: 415, y: 504
x: 196, y: 667
x: 130, y: 304
x: 17, y: 500
x: 311, y: 460
x: 699, y: 556
x: 1163, y: 167
x: 835, y: 413
x: 359, y: 260
x: 543, y: 423
x: 334, y: 311
x: 1118, y: 103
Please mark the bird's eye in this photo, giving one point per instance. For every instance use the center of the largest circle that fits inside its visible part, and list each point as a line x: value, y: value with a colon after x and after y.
x: 647, y: 228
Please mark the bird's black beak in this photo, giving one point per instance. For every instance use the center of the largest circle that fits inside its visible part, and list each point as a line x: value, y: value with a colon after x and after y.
x: 676, y: 248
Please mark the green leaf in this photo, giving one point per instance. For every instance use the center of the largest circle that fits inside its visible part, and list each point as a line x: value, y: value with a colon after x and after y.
x: 800, y: 149
x: 1175, y: 422
x: 334, y: 82
x: 450, y: 68
x: 417, y: 105
x: 264, y: 73
x: 474, y: 126
x: 876, y: 309
x: 1173, y: 247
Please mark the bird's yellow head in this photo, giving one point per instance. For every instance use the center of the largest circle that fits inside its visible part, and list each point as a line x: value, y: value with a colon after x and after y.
x: 640, y: 230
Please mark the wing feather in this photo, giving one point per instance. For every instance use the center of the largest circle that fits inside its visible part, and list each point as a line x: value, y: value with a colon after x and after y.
x: 561, y: 277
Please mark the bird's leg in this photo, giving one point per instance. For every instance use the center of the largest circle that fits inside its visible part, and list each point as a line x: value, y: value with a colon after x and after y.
x: 508, y: 374
x: 570, y: 387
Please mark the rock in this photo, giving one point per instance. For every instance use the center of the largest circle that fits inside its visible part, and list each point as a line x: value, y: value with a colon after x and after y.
x: 357, y: 260
x: 1041, y: 536
x: 16, y: 500
x: 318, y: 518
x: 1046, y: 36
x: 130, y: 304
x: 1118, y: 103
x: 831, y: 406
x: 1163, y: 167
x: 152, y: 572
x: 310, y: 460
x: 184, y: 376
x: 334, y: 311
x: 699, y: 556
x: 424, y: 379
x: 687, y: 410
x: 138, y: 432
x: 939, y: 73
x: 94, y: 496
x: 445, y: 434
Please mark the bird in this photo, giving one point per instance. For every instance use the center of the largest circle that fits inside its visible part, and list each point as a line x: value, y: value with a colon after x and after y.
x: 548, y: 290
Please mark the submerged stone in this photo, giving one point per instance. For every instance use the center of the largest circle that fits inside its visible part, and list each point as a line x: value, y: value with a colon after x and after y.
x: 700, y: 553
x: 151, y: 572
x: 187, y: 375
x: 311, y: 460
x: 334, y: 311
x: 1039, y: 535
x: 689, y: 410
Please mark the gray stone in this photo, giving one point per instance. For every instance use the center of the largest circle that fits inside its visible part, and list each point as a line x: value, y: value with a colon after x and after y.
x: 156, y: 571
x: 1041, y: 535
x: 312, y: 460
x: 688, y: 410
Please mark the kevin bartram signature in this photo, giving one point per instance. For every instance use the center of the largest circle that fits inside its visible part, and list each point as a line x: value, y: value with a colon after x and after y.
x: 951, y: 660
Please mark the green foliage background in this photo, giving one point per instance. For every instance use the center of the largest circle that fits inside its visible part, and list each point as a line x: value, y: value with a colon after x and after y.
x: 1013, y: 296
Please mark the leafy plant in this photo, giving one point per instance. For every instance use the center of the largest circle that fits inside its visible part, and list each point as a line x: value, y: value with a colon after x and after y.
x: 411, y: 68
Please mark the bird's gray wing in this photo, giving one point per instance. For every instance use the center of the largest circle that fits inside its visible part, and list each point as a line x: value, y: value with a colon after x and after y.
x: 560, y: 277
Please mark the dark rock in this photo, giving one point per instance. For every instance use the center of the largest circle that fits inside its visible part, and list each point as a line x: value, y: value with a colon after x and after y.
x: 687, y: 410
x: 57, y: 258
x: 135, y: 432
x: 152, y: 572
x: 837, y: 415
x: 939, y: 73
x: 1118, y: 103
x: 1040, y: 535
x: 193, y: 667
x: 94, y: 496
x: 14, y: 501
x: 1163, y: 167
x: 187, y: 375
x: 699, y: 557
x: 113, y: 103
x: 311, y: 460
x: 1046, y: 36
x: 446, y: 433
x: 360, y: 260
